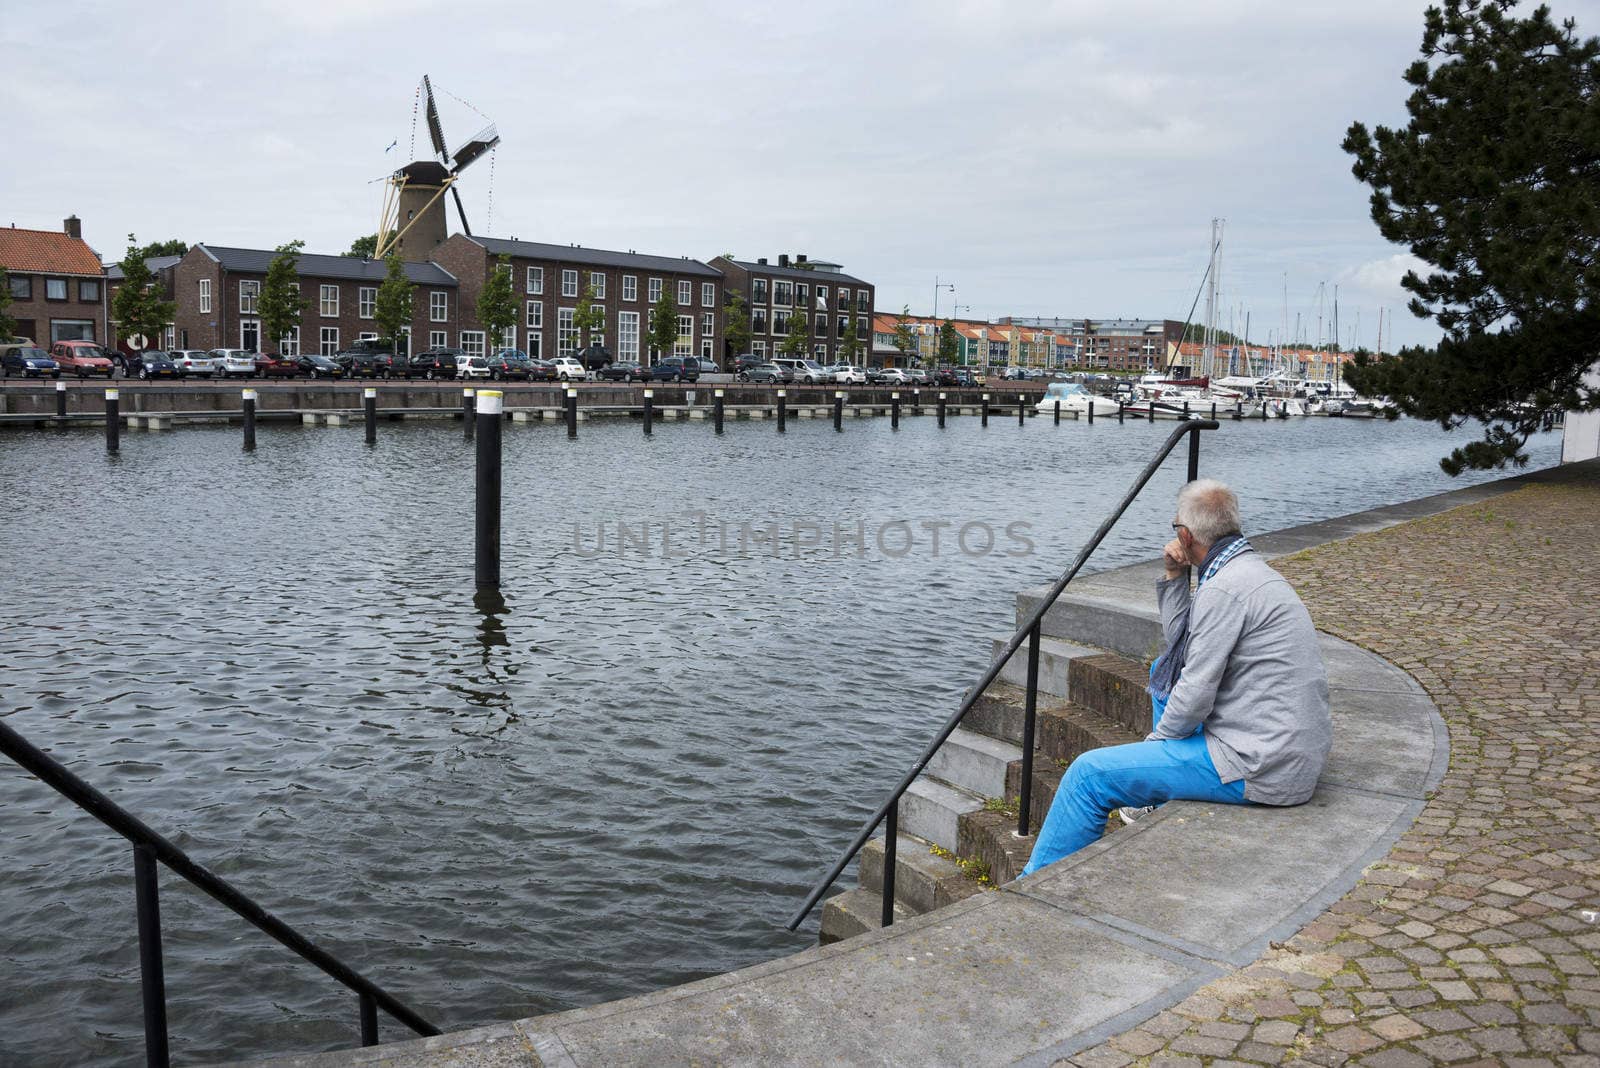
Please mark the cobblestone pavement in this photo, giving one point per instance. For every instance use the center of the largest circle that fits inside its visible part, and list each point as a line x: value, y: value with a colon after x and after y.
x: 1476, y: 940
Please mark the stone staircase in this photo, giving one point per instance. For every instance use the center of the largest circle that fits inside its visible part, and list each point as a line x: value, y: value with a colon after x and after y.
x: 958, y: 819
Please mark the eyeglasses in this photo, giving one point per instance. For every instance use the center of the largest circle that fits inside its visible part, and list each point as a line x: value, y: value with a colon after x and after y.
x: 1176, y: 526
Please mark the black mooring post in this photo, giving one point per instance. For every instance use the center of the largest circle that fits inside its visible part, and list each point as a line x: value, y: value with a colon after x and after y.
x: 941, y: 411
x: 1029, y: 727
x: 783, y: 411
x: 1185, y: 409
x: 1151, y: 411
x: 469, y: 406
x: 1058, y: 411
x: 369, y: 402
x: 1213, y: 411
x: 491, y: 403
x: 113, y: 421
x: 894, y: 411
x: 1022, y: 409
x: 572, y: 413
x: 1092, y: 400
x: 152, y: 977
x: 249, y: 401
x: 369, y: 1020
x: 61, y: 400
x: 1263, y: 411
x: 1238, y: 409
x: 716, y: 409
x: 916, y: 402
x: 891, y: 841
x: 838, y: 410
x: 649, y: 410
x: 1121, y: 413
x: 986, y: 409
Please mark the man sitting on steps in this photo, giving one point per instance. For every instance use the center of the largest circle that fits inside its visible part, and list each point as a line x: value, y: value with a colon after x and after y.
x: 1239, y: 698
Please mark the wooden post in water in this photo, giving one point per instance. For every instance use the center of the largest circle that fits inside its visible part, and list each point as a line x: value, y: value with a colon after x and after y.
x: 486, y: 556
x: 469, y: 405
x: 649, y: 410
x: 249, y: 401
x: 783, y: 411
x: 113, y: 421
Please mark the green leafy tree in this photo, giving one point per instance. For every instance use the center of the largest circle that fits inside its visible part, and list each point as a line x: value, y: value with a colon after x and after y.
x: 174, y: 247
x: 796, y: 344
x: 904, y: 339
x: 949, y: 343
x: 138, y: 308
x: 588, y: 317
x: 393, y: 309
x: 1493, y: 184
x: 8, y: 325
x: 663, y: 333
x: 850, y: 343
x: 281, y: 303
x: 497, y: 305
x: 736, y: 332
x: 363, y: 248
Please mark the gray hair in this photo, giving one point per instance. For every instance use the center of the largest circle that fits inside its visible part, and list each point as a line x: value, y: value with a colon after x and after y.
x: 1209, y: 509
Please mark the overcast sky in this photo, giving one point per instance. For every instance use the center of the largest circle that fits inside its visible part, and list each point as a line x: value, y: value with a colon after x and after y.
x: 1044, y: 158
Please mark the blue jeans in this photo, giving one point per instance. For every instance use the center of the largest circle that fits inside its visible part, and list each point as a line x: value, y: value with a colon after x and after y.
x: 1143, y: 773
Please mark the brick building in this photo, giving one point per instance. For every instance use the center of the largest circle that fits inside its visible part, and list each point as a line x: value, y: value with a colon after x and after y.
x: 1121, y: 344
x: 774, y: 293
x: 550, y: 279
x: 162, y: 269
x: 58, y: 288
x: 217, y: 290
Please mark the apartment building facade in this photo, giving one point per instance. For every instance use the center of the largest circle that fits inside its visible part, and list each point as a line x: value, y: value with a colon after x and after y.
x: 57, y: 284
x: 828, y: 299
x: 550, y: 280
x: 217, y: 290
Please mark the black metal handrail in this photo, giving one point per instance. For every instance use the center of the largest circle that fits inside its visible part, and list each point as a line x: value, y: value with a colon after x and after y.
x: 888, y: 812
x: 150, y: 847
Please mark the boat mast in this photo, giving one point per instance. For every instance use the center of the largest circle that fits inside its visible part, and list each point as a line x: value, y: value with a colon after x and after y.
x: 1338, y: 345
x: 1208, y: 342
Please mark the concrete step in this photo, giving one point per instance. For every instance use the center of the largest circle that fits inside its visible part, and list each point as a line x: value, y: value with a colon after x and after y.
x: 1065, y: 731
x: 991, y: 838
x: 854, y: 912
x: 1102, y: 619
x: 1054, y: 656
x: 974, y: 762
x: 930, y: 809
x: 922, y: 881
x: 1113, y: 686
x: 999, y: 713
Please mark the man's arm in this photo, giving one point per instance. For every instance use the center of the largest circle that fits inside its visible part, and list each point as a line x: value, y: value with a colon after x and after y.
x: 1215, y: 624
x: 1172, y: 592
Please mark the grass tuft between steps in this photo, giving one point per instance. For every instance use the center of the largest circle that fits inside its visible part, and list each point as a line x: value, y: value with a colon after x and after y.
x: 976, y: 870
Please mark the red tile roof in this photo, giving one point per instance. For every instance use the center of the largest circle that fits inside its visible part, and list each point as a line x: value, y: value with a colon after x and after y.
x: 46, y: 252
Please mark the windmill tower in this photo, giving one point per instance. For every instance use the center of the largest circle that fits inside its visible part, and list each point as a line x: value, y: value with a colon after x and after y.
x: 414, y: 220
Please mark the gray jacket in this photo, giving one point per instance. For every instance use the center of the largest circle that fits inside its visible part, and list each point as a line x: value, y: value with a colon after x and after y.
x: 1253, y: 676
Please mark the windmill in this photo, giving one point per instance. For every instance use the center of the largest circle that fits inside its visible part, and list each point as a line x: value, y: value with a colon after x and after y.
x: 414, y: 221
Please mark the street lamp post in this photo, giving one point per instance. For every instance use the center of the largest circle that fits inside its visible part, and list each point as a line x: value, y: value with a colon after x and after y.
x: 937, y: 285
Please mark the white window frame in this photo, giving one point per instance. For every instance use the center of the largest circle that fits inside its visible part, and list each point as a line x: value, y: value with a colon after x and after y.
x: 759, y: 291
x: 366, y: 302
x: 597, y: 282
x: 758, y: 320
x: 51, y: 283
x: 249, y: 297
x: 328, y: 298
x: 328, y: 340
x: 569, y: 282
x: 802, y: 296
x: 508, y: 339
x: 708, y: 294
x: 254, y: 326
x: 438, y: 307
x: 535, y: 282
x: 405, y: 332
x: 654, y: 290
x: 705, y: 348
x: 566, y: 333
x: 758, y: 349
x: 535, y: 317
x: 535, y: 344
x: 597, y: 336
x: 438, y: 339
x: 628, y: 335
x: 205, y: 294
x: 787, y: 289
x: 472, y: 342
x: 630, y: 287
x: 708, y: 325
x: 684, y: 345
x: 288, y: 344
x: 685, y: 293
x: 779, y: 326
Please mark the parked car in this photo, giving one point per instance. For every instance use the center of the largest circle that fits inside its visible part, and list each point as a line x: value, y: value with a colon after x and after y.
x: 594, y: 357
x: 888, y: 376
x: 152, y: 363
x: 766, y: 372
x: 916, y: 376
x: 81, y: 358
x: 570, y: 370
x: 316, y: 365
x: 808, y: 372
x: 508, y: 364
x: 233, y: 363
x: 277, y: 366
x: 433, y: 363
x: 708, y: 366
x: 365, y: 364
x: 193, y: 362
x: 626, y: 371
x: 846, y: 375
x: 471, y: 366
x: 747, y: 361
x: 674, y: 369
x: 28, y: 362
x: 541, y: 371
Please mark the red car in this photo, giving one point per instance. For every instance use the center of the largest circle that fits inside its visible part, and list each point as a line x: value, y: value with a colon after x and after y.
x: 81, y: 358
x: 277, y: 366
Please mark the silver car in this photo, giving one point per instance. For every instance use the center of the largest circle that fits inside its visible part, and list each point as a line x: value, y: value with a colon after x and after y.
x: 193, y: 362
x: 232, y: 363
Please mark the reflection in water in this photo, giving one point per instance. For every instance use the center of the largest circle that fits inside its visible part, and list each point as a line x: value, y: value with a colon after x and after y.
x: 628, y: 781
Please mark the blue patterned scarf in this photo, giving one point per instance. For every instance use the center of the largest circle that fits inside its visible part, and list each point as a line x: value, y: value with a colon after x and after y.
x: 1165, y: 675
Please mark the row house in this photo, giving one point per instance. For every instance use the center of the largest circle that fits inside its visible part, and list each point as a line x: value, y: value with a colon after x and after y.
x: 57, y: 285
x: 1118, y: 344
x: 1255, y: 361
x: 827, y: 300
x: 218, y: 291
x: 551, y: 279
x: 978, y: 343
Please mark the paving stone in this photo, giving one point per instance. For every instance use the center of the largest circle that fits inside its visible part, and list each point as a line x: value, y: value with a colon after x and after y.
x: 1396, y: 1028
x: 1139, y: 1043
x: 1276, y: 1032
x: 1446, y: 1048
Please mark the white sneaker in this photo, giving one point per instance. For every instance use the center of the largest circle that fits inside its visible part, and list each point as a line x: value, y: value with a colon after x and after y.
x: 1131, y: 815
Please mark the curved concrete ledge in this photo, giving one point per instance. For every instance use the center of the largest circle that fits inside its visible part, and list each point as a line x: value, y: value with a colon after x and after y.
x: 1045, y: 966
